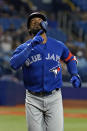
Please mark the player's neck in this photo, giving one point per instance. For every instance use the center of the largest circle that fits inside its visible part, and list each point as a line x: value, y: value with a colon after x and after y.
x: 44, y: 37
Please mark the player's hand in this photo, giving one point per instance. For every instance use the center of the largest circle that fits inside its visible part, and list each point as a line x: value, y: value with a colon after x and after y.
x: 37, y: 39
x: 76, y: 81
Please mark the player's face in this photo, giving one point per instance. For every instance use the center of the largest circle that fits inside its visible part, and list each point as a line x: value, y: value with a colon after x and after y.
x: 35, y: 25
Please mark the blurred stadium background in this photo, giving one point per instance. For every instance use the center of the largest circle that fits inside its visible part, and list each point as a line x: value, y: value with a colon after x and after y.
x: 67, y: 21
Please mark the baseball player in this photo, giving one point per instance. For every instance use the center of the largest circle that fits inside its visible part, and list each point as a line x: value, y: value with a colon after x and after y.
x: 40, y: 58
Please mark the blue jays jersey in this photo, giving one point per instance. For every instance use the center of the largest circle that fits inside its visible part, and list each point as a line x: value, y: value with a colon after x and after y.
x: 41, y: 65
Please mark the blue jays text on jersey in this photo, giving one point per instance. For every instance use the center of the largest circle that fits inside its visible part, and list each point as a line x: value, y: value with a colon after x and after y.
x: 37, y: 57
x: 41, y: 65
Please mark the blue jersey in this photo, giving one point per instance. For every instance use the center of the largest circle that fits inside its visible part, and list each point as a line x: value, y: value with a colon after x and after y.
x: 41, y: 65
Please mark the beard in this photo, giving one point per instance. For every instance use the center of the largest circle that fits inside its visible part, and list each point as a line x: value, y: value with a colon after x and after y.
x: 35, y: 31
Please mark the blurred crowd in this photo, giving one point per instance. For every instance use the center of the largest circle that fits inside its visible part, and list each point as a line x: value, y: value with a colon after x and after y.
x: 13, y: 32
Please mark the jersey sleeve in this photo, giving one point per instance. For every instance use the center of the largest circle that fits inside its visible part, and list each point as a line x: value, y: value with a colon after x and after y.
x: 67, y: 56
x: 70, y: 60
x: 19, y: 56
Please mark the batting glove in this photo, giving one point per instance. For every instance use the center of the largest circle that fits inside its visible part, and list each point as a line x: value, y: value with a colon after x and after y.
x: 76, y: 81
x: 44, y: 24
x: 37, y: 39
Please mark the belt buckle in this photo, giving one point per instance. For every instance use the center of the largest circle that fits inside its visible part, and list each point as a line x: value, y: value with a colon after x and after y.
x: 40, y: 94
x: 44, y: 93
x: 47, y: 93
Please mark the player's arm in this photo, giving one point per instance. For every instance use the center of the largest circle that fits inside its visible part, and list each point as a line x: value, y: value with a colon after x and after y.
x: 71, y: 62
x: 20, y: 55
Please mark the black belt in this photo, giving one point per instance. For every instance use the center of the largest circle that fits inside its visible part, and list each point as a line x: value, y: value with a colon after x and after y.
x: 43, y: 93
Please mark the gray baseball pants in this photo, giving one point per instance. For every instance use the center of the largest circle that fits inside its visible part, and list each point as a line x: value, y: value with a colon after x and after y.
x: 44, y: 113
